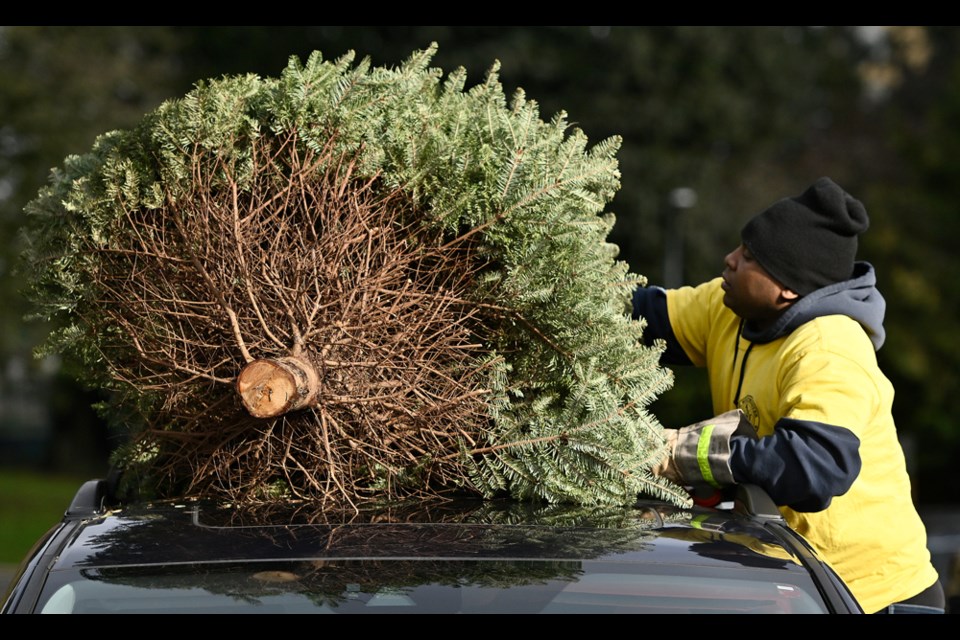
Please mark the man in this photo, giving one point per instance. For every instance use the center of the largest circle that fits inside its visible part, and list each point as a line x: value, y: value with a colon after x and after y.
x: 788, y: 335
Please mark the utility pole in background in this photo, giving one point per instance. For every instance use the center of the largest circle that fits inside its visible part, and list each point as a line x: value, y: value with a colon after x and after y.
x: 679, y: 199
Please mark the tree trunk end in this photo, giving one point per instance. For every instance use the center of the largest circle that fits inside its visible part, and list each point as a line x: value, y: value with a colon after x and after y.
x: 275, y: 386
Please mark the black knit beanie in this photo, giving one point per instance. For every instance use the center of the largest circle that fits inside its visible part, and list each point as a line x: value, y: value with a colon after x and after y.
x: 808, y: 241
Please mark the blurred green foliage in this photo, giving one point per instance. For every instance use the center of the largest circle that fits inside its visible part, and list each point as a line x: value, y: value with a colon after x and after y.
x: 30, y: 503
x: 741, y: 115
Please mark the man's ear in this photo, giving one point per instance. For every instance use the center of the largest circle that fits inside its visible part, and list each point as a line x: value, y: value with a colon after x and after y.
x: 789, y: 295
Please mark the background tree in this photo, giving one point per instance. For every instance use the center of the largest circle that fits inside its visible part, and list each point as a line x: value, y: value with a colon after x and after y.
x: 61, y: 87
x: 912, y: 187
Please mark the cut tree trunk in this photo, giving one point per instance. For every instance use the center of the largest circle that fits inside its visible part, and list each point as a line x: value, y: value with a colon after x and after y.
x: 276, y: 386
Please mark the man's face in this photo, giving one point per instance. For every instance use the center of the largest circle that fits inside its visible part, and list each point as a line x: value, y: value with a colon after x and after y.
x: 749, y: 291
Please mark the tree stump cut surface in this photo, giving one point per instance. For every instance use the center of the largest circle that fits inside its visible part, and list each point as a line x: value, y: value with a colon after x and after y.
x: 276, y: 386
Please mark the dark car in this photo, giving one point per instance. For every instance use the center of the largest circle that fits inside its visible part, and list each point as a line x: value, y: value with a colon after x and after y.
x: 457, y: 556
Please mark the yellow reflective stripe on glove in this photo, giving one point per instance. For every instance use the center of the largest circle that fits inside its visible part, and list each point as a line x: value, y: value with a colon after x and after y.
x: 703, y: 455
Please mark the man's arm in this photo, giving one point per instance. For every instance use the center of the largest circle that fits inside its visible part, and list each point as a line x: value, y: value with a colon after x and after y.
x: 802, y: 465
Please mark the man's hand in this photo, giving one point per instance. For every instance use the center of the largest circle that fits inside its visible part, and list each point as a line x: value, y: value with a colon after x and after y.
x: 667, y: 468
x: 698, y: 455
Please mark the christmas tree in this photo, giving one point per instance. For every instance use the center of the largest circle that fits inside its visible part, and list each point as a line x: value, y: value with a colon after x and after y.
x: 353, y: 283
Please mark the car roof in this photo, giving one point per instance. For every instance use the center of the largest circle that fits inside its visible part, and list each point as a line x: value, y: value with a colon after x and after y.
x: 508, y: 555
x: 196, y: 531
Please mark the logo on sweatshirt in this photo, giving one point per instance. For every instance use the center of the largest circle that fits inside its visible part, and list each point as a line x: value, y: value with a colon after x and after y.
x: 749, y: 408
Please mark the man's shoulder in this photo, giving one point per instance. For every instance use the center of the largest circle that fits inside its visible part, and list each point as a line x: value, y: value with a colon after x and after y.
x: 834, y: 350
x: 836, y: 334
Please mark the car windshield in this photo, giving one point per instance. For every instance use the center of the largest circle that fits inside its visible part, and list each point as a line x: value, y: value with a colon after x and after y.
x: 406, y: 585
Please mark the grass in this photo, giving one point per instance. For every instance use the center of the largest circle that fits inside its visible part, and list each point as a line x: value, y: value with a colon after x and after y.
x: 30, y: 503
